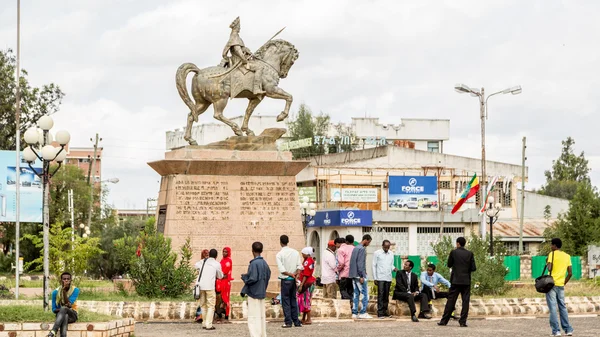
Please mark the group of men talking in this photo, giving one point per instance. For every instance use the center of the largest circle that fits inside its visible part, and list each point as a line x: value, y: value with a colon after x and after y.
x: 344, y: 265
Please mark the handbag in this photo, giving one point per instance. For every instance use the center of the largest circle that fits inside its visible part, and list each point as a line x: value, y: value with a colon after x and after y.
x: 545, y: 283
x: 197, y: 286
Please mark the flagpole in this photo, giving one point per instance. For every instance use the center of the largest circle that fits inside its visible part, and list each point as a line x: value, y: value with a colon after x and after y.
x: 18, y: 155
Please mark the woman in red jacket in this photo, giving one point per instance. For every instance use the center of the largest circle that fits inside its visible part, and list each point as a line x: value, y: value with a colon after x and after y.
x: 224, y: 284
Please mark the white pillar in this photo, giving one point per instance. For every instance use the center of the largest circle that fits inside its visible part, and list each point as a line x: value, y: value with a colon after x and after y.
x: 412, y: 239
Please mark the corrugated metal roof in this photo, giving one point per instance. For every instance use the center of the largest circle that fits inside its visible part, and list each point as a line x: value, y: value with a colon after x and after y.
x: 531, y: 227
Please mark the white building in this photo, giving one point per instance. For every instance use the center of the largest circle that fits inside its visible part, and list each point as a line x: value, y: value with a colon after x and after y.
x: 426, y: 134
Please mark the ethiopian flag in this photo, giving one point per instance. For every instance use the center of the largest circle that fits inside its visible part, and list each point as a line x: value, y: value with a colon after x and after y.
x: 470, y: 191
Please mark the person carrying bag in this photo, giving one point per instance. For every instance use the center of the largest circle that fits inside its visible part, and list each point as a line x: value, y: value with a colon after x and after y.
x: 545, y: 283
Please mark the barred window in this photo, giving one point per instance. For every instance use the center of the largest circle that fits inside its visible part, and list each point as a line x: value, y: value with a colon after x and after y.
x: 454, y: 230
x: 445, y: 185
x: 386, y: 229
x: 427, y: 230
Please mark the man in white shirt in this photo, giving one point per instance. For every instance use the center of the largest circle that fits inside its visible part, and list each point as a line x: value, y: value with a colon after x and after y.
x: 209, y: 270
x: 383, y: 266
x: 329, y: 271
x: 289, y: 264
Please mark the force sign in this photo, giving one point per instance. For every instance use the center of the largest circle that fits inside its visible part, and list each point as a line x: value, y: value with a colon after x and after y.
x: 412, y: 187
x: 350, y: 219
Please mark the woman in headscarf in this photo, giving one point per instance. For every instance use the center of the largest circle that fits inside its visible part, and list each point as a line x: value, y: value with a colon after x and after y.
x: 306, y: 280
x: 224, y: 284
x: 203, y: 255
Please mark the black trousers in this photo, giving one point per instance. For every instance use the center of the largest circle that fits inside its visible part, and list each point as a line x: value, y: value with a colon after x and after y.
x: 465, y: 295
x: 346, y: 288
x: 289, y: 302
x: 383, y: 297
x: 432, y: 296
x: 63, y: 317
x: 410, y: 299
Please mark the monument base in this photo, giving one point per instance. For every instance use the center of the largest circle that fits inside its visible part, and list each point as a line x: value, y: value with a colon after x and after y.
x: 229, y: 198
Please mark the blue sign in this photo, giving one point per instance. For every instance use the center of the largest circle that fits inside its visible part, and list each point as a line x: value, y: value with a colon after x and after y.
x: 412, y: 193
x: 30, y: 189
x: 342, y: 218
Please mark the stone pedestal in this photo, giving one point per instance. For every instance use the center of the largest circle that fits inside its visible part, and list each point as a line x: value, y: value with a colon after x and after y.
x: 220, y: 198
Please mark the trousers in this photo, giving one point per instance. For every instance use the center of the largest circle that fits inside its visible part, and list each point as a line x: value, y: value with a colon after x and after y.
x: 63, y: 318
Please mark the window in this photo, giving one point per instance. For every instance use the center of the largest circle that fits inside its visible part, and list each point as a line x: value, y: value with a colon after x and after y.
x: 433, y: 146
x: 84, y: 160
x: 445, y: 185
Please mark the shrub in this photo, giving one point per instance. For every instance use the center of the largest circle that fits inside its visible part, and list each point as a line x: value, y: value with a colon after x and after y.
x: 153, y: 267
x: 489, y: 277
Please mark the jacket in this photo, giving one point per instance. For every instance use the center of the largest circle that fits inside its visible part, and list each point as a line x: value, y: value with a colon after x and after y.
x: 358, y: 262
x: 344, y: 253
x: 402, y: 284
x: 328, y: 267
x: 257, y: 279
x: 462, y: 263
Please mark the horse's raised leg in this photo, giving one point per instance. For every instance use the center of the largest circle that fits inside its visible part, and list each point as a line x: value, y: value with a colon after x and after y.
x: 278, y: 93
x: 249, y: 110
x: 219, y: 106
x: 193, y: 117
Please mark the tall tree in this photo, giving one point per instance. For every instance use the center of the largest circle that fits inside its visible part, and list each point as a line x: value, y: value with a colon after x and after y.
x: 69, y: 177
x: 35, y: 102
x: 568, y: 172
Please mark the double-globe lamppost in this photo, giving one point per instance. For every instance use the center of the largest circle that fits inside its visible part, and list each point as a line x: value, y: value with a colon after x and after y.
x: 308, y: 211
x: 40, y: 147
x: 464, y: 89
x: 492, y: 210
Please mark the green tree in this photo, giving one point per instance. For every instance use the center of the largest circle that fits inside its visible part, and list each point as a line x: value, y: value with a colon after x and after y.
x: 67, y: 252
x: 35, y: 102
x: 568, y: 172
x: 69, y: 177
x: 153, y: 266
x: 489, y: 277
x: 580, y: 226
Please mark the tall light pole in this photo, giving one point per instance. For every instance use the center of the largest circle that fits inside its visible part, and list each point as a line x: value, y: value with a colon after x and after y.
x: 492, y: 212
x: 47, y: 154
x: 18, y: 146
x: 463, y: 89
x: 308, y: 212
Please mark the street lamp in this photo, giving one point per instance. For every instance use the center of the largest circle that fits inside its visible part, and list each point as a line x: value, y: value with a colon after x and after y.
x: 308, y: 212
x: 47, y: 153
x: 492, y: 212
x: 464, y: 89
x: 85, y: 230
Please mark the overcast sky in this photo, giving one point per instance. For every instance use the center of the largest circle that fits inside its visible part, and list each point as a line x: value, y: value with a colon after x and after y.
x: 116, y: 62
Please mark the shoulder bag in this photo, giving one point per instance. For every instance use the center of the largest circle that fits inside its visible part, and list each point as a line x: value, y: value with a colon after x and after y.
x: 197, y: 286
x: 545, y: 283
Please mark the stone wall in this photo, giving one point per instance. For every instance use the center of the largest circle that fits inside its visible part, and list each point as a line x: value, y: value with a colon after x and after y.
x: 117, y: 328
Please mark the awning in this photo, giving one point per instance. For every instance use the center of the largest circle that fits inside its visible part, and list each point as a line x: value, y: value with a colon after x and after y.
x: 342, y: 218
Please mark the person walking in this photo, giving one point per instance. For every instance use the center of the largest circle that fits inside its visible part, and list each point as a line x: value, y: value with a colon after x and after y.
x: 383, y: 266
x: 307, y: 280
x: 407, y: 290
x: 561, y: 270
x: 224, y: 286
x: 289, y: 265
x: 210, y: 271
x: 462, y: 263
x: 329, y: 271
x: 255, y: 287
x: 358, y: 274
x: 343, y: 255
x: 64, y: 305
x: 198, y: 319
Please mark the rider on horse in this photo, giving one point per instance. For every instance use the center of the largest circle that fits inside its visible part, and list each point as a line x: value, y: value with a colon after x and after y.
x: 240, y: 53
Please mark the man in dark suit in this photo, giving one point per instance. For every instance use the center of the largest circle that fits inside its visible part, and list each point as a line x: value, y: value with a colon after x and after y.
x: 462, y: 263
x: 407, y: 290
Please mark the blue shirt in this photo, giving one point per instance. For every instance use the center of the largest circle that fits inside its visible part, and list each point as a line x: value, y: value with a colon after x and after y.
x: 257, y: 278
x: 72, y: 299
x: 433, y: 280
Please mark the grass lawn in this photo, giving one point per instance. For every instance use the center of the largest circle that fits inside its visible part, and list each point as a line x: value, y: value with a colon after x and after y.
x: 24, y: 313
x: 10, y: 282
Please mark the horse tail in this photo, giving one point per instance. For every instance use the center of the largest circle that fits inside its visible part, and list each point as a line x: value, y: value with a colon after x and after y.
x: 180, y: 80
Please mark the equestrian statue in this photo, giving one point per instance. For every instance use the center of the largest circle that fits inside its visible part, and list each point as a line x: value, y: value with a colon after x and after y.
x: 241, y: 74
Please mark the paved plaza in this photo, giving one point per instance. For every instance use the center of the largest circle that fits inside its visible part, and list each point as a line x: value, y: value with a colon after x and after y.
x: 523, y: 327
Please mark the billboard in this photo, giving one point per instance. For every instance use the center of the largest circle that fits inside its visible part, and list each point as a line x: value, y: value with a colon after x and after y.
x: 30, y: 190
x: 354, y: 194
x: 310, y: 192
x: 342, y: 218
x: 414, y: 193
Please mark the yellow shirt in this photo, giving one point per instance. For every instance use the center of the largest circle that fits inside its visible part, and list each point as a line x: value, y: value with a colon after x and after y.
x: 560, y: 264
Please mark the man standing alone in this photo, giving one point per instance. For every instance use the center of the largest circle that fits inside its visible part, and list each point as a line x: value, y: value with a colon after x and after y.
x: 559, y: 265
x: 462, y: 263
x: 358, y: 274
x: 289, y: 265
x: 383, y: 266
x: 255, y: 286
x: 329, y: 271
x: 210, y: 271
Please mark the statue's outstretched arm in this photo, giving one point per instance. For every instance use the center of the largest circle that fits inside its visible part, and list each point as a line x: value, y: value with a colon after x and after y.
x: 237, y: 50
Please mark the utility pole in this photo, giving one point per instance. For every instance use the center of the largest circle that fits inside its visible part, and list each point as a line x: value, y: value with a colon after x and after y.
x: 91, y: 181
x: 483, y: 178
x: 18, y: 143
x: 521, y: 219
x: 442, y: 209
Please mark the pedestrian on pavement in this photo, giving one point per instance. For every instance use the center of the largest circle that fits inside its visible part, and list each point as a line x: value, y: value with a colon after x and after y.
x: 255, y: 287
x: 329, y: 271
x: 224, y: 286
x: 561, y: 270
x: 343, y: 256
x: 210, y: 271
x: 462, y: 263
x: 383, y: 266
x: 203, y: 255
x: 407, y: 290
x: 64, y: 305
x: 358, y: 274
x: 289, y: 265
x: 307, y: 281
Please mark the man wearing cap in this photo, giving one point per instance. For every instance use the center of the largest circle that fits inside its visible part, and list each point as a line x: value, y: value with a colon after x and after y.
x: 329, y: 271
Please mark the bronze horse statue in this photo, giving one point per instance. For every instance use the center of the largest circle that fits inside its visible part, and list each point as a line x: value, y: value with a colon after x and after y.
x: 216, y: 85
